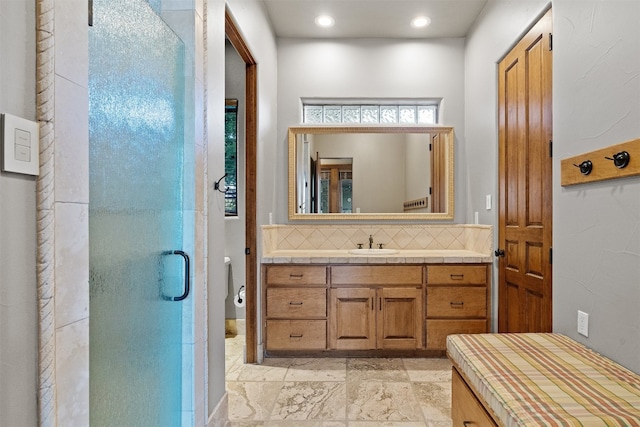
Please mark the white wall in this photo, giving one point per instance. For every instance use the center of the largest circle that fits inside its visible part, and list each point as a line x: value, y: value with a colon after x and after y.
x: 254, y: 24
x: 370, y: 68
x: 596, y: 93
x: 18, y: 315
x: 596, y: 237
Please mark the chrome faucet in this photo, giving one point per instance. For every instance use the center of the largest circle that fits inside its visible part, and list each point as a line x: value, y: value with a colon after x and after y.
x: 370, y: 241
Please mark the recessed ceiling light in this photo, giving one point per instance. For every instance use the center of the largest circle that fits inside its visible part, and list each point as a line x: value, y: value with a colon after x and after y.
x: 324, y: 21
x: 420, y: 21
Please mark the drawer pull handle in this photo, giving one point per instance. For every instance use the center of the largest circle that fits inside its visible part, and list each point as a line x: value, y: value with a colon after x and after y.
x: 295, y: 302
x: 457, y: 276
x: 456, y: 303
x: 295, y: 335
x: 467, y: 423
x: 296, y: 276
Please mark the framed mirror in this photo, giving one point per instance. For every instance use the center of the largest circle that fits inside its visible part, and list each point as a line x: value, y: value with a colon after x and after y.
x: 360, y: 172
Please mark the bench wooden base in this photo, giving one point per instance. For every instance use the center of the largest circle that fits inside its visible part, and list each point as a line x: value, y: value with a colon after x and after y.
x: 466, y: 409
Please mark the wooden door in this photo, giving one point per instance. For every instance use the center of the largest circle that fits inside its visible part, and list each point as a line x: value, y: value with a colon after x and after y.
x: 399, y: 318
x: 525, y: 182
x: 352, y: 320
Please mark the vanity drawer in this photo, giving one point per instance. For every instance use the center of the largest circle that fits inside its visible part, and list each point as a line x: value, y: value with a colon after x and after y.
x: 376, y: 275
x: 296, y: 334
x: 456, y: 275
x: 439, y: 329
x: 296, y: 275
x: 456, y: 301
x: 296, y: 302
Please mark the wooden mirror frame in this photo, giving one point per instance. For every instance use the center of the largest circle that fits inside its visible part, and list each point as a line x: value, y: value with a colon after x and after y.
x: 333, y: 129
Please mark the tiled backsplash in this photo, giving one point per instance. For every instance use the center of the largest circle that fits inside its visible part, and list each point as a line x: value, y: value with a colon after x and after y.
x: 477, y: 238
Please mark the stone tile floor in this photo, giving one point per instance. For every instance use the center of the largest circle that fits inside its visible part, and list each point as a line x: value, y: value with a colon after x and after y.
x: 337, y: 392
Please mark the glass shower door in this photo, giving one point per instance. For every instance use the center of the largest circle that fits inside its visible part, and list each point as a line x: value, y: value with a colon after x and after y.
x: 138, y: 272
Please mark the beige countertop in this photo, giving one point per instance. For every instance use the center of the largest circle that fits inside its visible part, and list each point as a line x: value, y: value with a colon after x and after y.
x: 408, y: 256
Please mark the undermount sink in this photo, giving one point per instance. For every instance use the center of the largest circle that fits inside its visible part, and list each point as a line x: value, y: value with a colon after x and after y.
x: 373, y: 251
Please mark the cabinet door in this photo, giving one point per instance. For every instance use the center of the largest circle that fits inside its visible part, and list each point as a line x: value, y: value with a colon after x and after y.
x: 352, y: 323
x: 399, y: 318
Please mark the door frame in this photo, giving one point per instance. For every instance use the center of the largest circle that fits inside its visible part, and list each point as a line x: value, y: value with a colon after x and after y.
x: 232, y: 32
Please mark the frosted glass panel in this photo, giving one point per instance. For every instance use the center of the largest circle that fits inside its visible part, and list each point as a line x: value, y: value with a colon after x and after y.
x: 407, y: 114
x: 370, y: 114
x: 351, y: 114
x: 427, y: 114
x: 332, y: 114
x: 136, y: 127
x: 388, y: 114
x: 313, y: 113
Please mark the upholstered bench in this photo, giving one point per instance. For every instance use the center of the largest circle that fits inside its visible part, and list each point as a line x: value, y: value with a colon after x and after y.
x: 538, y: 380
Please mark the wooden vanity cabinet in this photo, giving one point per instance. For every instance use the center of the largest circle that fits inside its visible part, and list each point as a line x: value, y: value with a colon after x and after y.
x: 376, y: 307
x: 457, y: 302
x: 295, y: 304
x: 318, y: 308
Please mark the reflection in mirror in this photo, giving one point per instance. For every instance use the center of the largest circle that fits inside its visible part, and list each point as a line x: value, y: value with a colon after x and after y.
x: 370, y: 172
x: 335, y: 188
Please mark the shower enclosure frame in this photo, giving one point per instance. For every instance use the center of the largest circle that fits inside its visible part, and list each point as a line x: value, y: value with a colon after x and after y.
x: 62, y: 203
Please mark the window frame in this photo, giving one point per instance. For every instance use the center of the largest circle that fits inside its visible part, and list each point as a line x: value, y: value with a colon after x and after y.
x: 231, y: 170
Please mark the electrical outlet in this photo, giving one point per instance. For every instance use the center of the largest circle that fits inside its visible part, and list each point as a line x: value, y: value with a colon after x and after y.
x: 583, y: 323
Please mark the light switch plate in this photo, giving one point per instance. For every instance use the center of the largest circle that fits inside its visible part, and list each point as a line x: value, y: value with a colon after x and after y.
x: 20, y: 145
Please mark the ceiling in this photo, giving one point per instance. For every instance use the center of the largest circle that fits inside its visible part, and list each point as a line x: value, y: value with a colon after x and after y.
x: 372, y: 18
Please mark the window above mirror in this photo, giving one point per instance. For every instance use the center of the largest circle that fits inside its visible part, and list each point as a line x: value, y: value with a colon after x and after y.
x: 370, y: 114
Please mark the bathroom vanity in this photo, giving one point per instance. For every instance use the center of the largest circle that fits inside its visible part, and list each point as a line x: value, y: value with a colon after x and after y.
x: 405, y: 301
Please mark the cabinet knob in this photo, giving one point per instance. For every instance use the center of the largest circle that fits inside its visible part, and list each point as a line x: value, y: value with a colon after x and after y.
x: 499, y: 252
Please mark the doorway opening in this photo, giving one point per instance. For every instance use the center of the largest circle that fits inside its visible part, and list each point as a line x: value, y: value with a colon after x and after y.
x: 250, y: 159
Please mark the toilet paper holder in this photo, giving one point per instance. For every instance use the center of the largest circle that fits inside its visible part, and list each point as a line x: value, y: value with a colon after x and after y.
x: 239, y: 299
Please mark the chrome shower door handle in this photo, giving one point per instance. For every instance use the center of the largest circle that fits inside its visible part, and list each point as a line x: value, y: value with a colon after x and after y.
x: 187, y: 273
